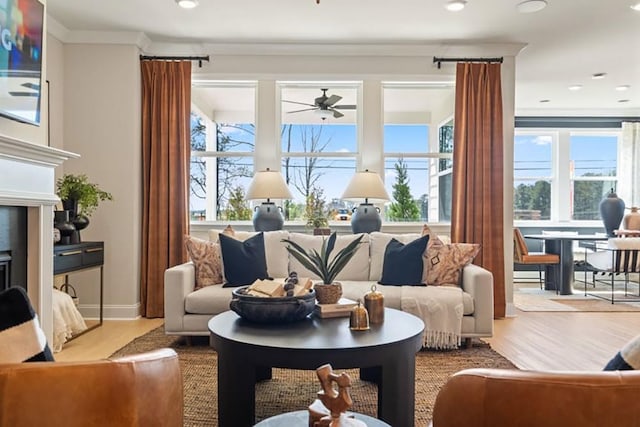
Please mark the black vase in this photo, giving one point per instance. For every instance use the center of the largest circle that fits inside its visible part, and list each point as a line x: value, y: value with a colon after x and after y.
x: 71, y: 205
x: 611, y: 212
x: 66, y: 227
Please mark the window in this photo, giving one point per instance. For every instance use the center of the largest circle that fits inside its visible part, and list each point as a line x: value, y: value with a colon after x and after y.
x: 563, y: 174
x: 417, y: 164
x: 222, y: 146
x: 532, y: 172
x: 318, y: 143
x: 593, y: 172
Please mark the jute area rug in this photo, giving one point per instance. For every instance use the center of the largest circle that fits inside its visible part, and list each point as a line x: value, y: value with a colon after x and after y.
x: 291, y: 390
x: 529, y: 297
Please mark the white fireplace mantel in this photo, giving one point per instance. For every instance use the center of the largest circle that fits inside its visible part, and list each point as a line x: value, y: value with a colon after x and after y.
x: 27, y: 178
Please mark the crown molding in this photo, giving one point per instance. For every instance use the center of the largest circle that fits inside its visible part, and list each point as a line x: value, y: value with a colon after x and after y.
x: 67, y: 36
x: 407, y: 49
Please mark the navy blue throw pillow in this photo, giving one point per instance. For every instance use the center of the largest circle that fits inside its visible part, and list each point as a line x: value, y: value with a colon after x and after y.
x: 244, y: 262
x: 626, y: 359
x: 402, y: 263
x: 19, y: 320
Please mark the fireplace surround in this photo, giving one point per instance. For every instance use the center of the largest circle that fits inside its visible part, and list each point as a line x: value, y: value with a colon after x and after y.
x: 28, y: 180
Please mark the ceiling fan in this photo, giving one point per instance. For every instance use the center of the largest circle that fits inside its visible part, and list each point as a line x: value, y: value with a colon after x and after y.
x: 324, y: 105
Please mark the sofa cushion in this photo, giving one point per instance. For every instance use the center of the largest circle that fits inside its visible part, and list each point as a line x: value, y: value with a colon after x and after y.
x: 274, y: 249
x: 206, y: 261
x: 378, y: 244
x: 356, y: 269
x: 402, y: 264
x: 244, y: 261
x: 210, y: 300
x: 445, y: 266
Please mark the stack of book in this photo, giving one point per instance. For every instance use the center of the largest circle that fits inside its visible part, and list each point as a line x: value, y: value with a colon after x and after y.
x: 340, y: 309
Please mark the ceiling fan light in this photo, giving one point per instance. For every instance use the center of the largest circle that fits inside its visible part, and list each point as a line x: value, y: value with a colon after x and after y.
x: 530, y: 6
x: 323, y: 113
x: 455, y: 5
x: 187, y: 4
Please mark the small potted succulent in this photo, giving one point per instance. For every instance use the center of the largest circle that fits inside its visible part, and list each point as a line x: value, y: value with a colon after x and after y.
x: 324, y: 265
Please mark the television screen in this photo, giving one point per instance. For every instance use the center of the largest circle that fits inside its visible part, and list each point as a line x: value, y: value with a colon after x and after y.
x: 21, y: 59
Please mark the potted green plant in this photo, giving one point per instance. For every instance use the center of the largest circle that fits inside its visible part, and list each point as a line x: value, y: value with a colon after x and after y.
x: 324, y: 266
x: 80, y: 196
x: 315, y: 212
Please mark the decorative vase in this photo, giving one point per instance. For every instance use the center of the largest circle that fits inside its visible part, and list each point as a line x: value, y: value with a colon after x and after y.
x: 71, y: 205
x: 328, y: 294
x: 611, y: 212
x: 631, y: 221
x: 66, y: 227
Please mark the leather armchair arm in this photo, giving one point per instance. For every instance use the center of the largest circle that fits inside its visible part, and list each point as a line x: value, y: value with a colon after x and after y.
x: 141, y: 390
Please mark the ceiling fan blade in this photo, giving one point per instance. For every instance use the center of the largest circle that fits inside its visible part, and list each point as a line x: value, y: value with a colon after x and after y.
x: 332, y: 99
x: 298, y: 111
x: 296, y: 102
x: 337, y: 114
x: 345, y: 107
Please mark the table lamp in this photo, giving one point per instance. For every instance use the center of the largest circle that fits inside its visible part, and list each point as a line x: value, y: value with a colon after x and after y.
x: 268, y: 184
x: 366, y: 185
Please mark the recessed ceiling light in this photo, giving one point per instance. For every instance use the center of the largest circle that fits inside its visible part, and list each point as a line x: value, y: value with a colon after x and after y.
x: 623, y: 100
x: 455, y: 5
x: 545, y: 100
x: 187, y: 4
x: 597, y: 76
x: 635, y: 7
x: 530, y: 6
x: 622, y: 87
x: 575, y: 87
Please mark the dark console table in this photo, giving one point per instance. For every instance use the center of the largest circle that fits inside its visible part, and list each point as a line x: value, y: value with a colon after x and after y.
x: 385, y: 354
x: 77, y: 257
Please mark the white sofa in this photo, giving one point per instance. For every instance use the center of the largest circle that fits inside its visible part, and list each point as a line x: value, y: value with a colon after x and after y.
x: 187, y: 311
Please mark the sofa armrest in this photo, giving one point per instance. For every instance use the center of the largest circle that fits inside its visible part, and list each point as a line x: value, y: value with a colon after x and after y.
x: 478, y: 282
x: 179, y: 281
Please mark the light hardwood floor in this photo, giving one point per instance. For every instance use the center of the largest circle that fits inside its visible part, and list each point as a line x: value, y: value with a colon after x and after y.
x: 531, y: 340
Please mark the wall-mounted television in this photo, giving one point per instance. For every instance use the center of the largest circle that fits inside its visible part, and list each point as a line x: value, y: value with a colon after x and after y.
x: 21, y: 24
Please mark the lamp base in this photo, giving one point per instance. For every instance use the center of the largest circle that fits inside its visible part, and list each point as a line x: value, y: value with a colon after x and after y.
x: 267, y: 217
x: 365, y: 219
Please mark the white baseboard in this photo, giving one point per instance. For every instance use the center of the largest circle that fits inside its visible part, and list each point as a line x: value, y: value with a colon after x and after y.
x: 510, y: 310
x: 110, y: 312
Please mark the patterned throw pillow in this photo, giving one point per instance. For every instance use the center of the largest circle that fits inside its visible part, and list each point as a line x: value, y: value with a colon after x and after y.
x: 628, y: 358
x: 444, y: 261
x: 206, y: 260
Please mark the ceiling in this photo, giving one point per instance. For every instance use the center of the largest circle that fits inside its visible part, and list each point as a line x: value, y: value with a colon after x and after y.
x: 567, y: 42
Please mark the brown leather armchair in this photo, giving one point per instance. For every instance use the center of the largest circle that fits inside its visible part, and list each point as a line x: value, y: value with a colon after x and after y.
x: 140, y: 390
x: 503, y: 397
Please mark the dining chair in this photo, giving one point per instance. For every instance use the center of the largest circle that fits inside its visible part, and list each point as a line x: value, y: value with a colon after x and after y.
x: 521, y: 255
x: 621, y: 256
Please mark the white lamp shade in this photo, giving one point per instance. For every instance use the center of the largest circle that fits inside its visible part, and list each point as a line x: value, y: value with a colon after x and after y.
x: 366, y: 185
x: 268, y: 184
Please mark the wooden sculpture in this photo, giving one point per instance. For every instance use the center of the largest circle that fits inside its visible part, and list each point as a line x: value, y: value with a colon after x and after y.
x: 329, y: 410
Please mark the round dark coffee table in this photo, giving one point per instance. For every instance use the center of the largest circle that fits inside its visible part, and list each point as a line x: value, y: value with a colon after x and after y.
x: 247, y: 351
x: 301, y: 419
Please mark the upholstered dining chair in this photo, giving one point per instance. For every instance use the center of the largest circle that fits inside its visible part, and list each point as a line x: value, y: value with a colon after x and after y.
x: 521, y: 255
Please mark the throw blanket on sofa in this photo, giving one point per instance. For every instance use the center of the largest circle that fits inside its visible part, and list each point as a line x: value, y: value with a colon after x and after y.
x: 440, y: 308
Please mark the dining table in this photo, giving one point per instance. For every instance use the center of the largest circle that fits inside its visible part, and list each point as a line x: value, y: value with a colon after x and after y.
x: 561, y: 244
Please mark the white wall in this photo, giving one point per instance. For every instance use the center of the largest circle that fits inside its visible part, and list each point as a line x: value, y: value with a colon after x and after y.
x: 102, y: 124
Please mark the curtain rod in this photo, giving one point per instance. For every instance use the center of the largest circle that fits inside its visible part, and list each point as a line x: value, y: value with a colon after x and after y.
x: 439, y: 61
x: 176, y: 58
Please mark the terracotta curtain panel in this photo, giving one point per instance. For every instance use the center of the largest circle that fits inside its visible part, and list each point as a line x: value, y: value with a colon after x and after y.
x: 166, y: 108
x: 477, y: 202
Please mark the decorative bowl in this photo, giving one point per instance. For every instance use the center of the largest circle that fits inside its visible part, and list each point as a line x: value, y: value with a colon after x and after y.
x: 272, y: 310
